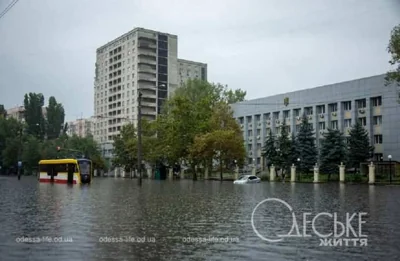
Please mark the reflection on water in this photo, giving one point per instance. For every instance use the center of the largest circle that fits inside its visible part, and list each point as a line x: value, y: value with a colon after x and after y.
x: 170, y: 212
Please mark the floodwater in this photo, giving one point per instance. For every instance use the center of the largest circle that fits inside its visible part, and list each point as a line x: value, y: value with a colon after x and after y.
x: 203, y: 220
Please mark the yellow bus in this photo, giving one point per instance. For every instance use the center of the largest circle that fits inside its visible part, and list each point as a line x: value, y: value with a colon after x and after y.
x: 66, y: 171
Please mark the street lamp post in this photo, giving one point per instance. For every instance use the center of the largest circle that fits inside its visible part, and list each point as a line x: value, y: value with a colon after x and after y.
x: 19, y: 161
x: 390, y: 169
x: 298, y: 165
x: 139, y: 133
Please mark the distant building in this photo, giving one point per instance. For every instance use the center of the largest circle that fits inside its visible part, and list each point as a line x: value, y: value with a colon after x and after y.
x: 191, y: 70
x: 81, y: 127
x: 18, y: 113
x: 335, y: 106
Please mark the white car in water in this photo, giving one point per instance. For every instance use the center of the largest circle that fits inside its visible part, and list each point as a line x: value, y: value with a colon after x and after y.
x: 247, y: 179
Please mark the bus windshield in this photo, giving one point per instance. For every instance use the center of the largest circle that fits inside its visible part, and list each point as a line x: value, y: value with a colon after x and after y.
x: 84, y: 167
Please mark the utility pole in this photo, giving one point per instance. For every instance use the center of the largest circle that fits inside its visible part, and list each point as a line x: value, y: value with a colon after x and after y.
x: 139, y: 133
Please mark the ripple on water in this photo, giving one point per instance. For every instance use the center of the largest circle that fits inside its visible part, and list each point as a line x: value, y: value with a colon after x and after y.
x: 173, y: 211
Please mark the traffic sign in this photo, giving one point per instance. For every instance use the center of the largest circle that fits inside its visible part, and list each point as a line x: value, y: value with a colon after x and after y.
x: 19, y: 164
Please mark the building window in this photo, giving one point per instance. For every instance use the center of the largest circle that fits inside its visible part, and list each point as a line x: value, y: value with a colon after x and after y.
x: 333, y: 107
x: 347, y: 106
x: 347, y: 123
x: 377, y: 101
x: 363, y: 121
x: 334, y: 125
x: 286, y: 114
x: 377, y: 139
x: 377, y: 120
x: 361, y: 104
x: 321, y: 109
x: 321, y: 125
x: 297, y: 112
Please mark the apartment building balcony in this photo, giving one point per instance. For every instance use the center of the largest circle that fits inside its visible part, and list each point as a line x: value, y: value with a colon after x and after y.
x: 146, y: 78
x: 147, y: 69
x: 146, y: 61
x: 148, y: 94
x: 149, y: 111
x: 151, y: 37
x: 149, y: 104
x: 147, y: 45
x: 148, y: 54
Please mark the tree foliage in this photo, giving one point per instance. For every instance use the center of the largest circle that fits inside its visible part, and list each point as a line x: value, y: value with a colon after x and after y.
x: 55, y: 117
x: 306, y: 148
x: 333, y: 151
x: 284, y: 149
x: 394, y: 50
x: 234, y: 96
x: 269, y: 149
x: 359, y: 148
x: 34, y: 119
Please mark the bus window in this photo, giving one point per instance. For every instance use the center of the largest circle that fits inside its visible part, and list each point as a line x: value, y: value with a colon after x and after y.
x: 84, y: 167
x: 61, y: 167
x: 43, y: 167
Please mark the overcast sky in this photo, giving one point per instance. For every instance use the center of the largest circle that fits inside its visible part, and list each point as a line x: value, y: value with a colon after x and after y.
x: 265, y: 47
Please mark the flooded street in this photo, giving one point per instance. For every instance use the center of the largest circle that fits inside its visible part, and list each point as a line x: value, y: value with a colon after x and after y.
x: 185, y: 220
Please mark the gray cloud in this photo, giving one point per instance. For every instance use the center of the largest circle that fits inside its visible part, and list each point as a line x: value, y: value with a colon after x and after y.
x: 264, y: 47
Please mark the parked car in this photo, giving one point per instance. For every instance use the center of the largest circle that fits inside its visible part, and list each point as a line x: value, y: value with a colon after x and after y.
x: 247, y: 179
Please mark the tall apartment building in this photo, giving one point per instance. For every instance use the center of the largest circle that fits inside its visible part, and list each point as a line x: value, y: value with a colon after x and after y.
x: 81, y: 127
x: 335, y: 106
x: 140, y: 60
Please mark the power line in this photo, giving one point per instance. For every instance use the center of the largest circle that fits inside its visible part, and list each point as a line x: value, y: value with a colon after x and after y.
x: 8, y: 8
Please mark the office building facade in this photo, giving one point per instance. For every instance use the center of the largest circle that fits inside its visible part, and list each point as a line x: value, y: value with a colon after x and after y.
x: 142, y: 60
x: 335, y: 106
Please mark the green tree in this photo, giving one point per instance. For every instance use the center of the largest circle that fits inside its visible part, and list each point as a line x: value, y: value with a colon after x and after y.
x: 223, y: 143
x: 33, y: 103
x: 333, y: 152
x: 294, y: 154
x: 224, y: 146
x: 307, y: 150
x: 269, y: 149
x: 284, y: 149
x: 31, y: 153
x: 55, y: 119
x: 234, y: 96
x: 359, y: 146
x: 10, y: 141
x: 394, y: 51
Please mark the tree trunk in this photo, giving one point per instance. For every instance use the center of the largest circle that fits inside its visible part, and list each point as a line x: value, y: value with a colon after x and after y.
x: 220, y: 167
x: 194, y: 171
